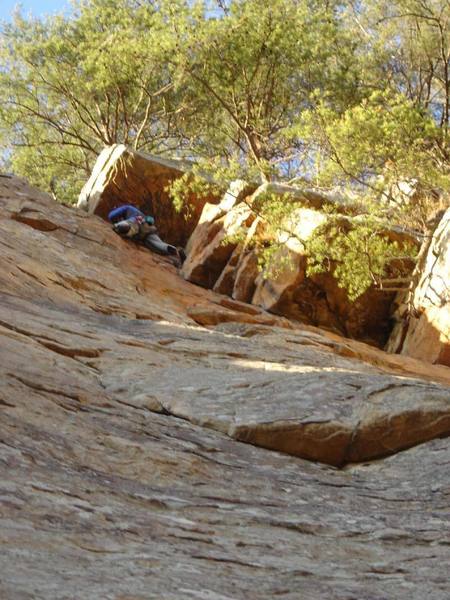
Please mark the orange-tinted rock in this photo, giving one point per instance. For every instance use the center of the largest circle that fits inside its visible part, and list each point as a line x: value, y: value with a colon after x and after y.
x: 317, y: 299
x: 212, y: 260
x: 225, y: 282
x: 285, y: 289
x: 238, y: 278
x: 121, y: 471
x: 212, y: 243
x: 425, y: 332
x: 245, y: 277
x: 123, y: 176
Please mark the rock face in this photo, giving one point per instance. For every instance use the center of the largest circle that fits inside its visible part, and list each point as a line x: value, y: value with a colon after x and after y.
x: 123, y: 176
x: 230, y: 268
x: 208, y: 250
x: 124, y: 392
x: 425, y: 332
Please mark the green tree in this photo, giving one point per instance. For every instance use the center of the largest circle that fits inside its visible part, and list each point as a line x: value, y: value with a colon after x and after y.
x: 71, y: 85
x: 396, y: 131
x: 353, y: 94
x: 248, y: 69
x: 394, y: 135
x: 322, y: 94
x: 407, y: 47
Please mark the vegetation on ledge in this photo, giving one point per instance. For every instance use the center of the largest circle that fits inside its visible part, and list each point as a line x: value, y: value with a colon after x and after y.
x: 348, y: 96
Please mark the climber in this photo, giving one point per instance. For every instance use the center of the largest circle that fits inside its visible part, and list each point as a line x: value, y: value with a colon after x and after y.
x: 128, y: 221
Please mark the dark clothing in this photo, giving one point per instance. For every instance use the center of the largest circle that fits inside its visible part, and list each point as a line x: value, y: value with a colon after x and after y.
x: 129, y: 221
x: 155, y: 243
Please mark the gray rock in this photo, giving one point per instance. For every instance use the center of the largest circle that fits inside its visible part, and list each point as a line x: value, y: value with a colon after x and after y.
x: 105, y: 495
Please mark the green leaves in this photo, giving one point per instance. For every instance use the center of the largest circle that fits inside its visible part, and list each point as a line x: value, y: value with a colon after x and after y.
x: 381, y: 141
x: 80, y: 83
x: 330, y: 94
x: 360, y: 254
x: 250, y: 72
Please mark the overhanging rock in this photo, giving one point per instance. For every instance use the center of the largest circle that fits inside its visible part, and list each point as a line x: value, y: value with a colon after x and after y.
x: 257, y: 377
x: 124, y: 176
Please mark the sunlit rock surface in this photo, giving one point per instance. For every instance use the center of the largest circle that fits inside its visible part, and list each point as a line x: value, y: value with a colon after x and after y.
x: 122, y: 387
x: 216, y: 260
x: 424, y: 331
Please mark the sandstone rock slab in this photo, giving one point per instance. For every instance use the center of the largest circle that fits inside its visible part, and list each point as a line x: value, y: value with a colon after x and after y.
x: 335, y: 414
x: 211, y: 249
x: 105, y: 495
x: 284, y: 288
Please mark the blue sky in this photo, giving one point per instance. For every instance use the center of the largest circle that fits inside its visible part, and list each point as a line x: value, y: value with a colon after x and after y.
x: 37, y: 8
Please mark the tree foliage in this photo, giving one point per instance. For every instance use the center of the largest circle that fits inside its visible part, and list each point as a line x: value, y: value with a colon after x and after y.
x: 250, y: 70
x: 351, y: 95
x: 398, y: 129
x: 71, y: 85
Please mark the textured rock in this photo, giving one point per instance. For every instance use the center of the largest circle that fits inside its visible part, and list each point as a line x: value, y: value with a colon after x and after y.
x: 124, y: 176
x: 205, y: 230
x: 214, y: 262
x: 225, y: 282
x: 317, y: 299
x: 211, y: 248
x: 232, y: 269
x: 335, y: 414
x: 116, y: 502
x: 103, y: 494
x: 247, y: 272
x: 425, y: 332
x: 272, y: 291
x: 239, y: 276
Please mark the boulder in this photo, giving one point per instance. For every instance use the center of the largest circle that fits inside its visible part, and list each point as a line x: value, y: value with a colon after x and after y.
x: 423, y: 328
x: 225, y: 282
x: 238, y: 278
x: 318, y: 300
x: 211, y: 244
x: 275, y: 287
x: 231, y: 268
x: 212, y: 260
x: 246, y: 274
x: 124, y: 176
